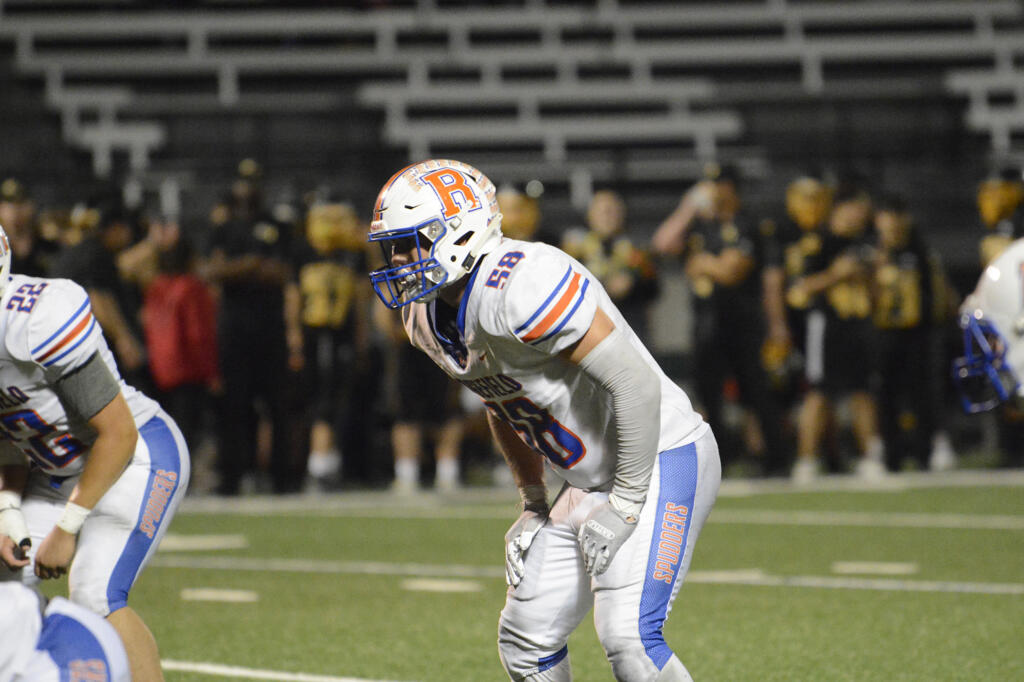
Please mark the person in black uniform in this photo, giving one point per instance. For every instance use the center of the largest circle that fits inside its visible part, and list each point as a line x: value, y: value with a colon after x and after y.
x: 1001, y: 207
x: 722, y: 250
x: 904, y: 309
x: 249, y: 259
x: 327, y: 307
x: 92, y: 262
x: 836, y: 291
x: 30, y: 250
x: 625, y: 270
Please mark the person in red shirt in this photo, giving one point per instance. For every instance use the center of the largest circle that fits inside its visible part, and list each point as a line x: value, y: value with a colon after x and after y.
x: 180, y: 325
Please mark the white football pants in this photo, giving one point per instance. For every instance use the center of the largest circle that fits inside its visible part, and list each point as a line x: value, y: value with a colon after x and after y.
x: 633, y: 597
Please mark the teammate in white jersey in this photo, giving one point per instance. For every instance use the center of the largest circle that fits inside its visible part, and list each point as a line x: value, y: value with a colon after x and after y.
x: 55, y: 642
x: 565, y: 381
x: 91, y: 470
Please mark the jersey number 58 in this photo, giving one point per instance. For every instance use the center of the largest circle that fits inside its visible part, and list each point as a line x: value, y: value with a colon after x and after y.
x: 540, y: 431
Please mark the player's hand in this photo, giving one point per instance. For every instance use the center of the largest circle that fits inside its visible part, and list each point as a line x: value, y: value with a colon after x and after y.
x: 14, y: 538
x: 517, y: 540
x: 55, y: 554
x: 601, y: 536
x: 14, y: 556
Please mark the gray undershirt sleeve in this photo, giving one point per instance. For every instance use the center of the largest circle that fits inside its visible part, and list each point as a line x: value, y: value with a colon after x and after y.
x: 88, y: 389
x: 636, y: 396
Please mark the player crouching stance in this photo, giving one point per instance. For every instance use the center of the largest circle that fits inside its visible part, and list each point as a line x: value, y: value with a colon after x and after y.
x: 91, y: 470
x: 565, y: 379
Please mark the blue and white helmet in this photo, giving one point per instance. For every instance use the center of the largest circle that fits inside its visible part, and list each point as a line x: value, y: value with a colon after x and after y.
x: 992, y: 322
x: 445, y: 207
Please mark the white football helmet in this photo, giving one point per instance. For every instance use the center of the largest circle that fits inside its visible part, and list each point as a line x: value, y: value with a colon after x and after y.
x: 992, y: 320
x: 445, y: 207
x: 5, y: 260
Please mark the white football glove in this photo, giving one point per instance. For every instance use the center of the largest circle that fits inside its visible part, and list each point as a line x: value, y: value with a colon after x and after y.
x: 602, y: 534
x: 518, y: 539
x: 12, y: 522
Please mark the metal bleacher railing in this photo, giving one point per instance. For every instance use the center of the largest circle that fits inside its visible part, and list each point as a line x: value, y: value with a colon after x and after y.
x: 614, y: 64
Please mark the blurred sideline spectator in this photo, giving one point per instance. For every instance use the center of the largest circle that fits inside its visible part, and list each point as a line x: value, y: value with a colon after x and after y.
x: 106, y: 231
x: 32, y: 252
x: 723, y: 255
x: 328, y: 330
x: 180, y: 324
x: 904, y: 302
x: 1001, y: 206
x: 839, y: 337
x: 604, y: 247
x: 249, y: 260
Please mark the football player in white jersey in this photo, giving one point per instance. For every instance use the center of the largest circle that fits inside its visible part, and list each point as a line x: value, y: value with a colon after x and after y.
x: 55, y: 641
x: 567, y: 384
x: 992, y: 320
x: 91, y: 470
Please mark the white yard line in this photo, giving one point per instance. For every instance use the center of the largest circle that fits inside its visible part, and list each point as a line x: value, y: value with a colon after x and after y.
x: 328, y: 566
x: 470, y: 501
x: 770, y: 517
x: 240, y: 673
x: 774, y: 517
x: 740, y: 577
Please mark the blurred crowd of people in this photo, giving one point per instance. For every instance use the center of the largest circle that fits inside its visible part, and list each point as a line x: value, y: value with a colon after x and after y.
x: 821, y: 335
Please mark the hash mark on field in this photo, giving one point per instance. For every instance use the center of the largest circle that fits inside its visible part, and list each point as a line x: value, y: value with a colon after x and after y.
x: 435, y: 585
x: 216, y: 594
x: 741, y: 577
x: 874, y: 567
x: 175, y: 542
x: 238, y: 672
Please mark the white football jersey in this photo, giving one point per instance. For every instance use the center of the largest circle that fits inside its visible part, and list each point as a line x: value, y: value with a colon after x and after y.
x: 49, y: 331
x: 526, y: 303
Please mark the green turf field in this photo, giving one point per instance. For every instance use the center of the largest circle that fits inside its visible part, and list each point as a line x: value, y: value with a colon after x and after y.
x: 925, y: 583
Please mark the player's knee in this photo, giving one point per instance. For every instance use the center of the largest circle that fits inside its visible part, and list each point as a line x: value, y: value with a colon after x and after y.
x: 629, y: 660
x: 527, y: 659
x: 95, y: 600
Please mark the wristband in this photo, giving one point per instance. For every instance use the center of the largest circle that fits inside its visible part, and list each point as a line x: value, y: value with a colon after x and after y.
x: 630, y: 511
x: 9, y: 500
x: 534, y: 497
x: 73, y: 518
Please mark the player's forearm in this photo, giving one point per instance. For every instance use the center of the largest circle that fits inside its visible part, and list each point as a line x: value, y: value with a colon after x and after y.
x: 636, y: 400
x: 526, y: 465
x: 108, y: 458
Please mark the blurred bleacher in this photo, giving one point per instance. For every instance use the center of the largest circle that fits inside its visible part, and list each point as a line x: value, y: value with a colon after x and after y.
x: 916, y: 94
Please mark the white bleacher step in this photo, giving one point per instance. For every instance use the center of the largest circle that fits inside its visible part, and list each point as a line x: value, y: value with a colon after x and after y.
x: 551, y: 92
x: 90, y: 97
x: 605, y: 127
x: 984, y: 80
x: 200, y: 103
x: 124, y: 134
